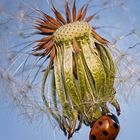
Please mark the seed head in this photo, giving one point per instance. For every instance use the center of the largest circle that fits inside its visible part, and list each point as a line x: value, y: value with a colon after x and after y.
x: 83, y: 68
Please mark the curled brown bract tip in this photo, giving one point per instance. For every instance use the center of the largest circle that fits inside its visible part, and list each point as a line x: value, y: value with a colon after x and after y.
x: 48, y: 45
x: 52, y: 55
x: 58, y: 16
x: 68, y: 13
x: 99, y: 38
x: 74, y: 11
x: 80, y: 13
x: 45, y: 39
x: 88, y: 19
x: 52, y: 20
x: 45, y: 30
x: 84, y: 12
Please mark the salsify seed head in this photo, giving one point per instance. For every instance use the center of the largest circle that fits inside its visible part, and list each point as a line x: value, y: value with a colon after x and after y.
x: 82, y: 67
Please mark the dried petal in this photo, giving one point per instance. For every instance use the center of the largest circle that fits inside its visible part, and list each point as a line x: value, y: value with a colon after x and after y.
x: 68, y: 13
x: 45, y: 39
x: 99, y: 38
x: 48, y: 45
x: 52, y: 20
x: 84, y: 12
x: 45, y: 30
x: 74, y: 11
x: 80, y: 13
x: 58, y: 15
x: 52, y: 55
x: 50, y: 25
x: 88, y: 19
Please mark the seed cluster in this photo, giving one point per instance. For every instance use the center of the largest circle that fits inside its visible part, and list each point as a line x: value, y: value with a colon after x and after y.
x: 71, y: 31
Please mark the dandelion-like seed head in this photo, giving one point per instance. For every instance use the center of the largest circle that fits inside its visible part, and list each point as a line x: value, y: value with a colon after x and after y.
x: 83, y: 68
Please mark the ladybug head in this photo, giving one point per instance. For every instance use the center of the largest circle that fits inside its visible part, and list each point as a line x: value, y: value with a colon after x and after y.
x: 105, y: 128
x: 113, y: 117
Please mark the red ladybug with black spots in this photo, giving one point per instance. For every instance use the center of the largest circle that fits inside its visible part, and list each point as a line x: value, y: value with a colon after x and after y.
x: 105, y: 128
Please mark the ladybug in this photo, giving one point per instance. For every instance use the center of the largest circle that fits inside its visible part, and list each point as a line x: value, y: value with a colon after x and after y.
x: 105, y: 128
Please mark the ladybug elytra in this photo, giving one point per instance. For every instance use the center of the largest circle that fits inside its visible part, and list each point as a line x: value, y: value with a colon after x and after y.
x: 105, y: 128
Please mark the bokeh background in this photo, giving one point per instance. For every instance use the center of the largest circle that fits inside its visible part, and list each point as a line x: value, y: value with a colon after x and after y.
x: 20, y: 118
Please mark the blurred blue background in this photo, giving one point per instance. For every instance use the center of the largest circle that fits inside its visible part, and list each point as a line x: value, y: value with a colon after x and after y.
x: 123, y: 14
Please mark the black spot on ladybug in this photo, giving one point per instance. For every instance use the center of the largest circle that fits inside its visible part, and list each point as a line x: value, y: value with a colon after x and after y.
x: 93, y: 137
x: 105, y: 133
x: 115, y: 125
x: 100, y: 123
